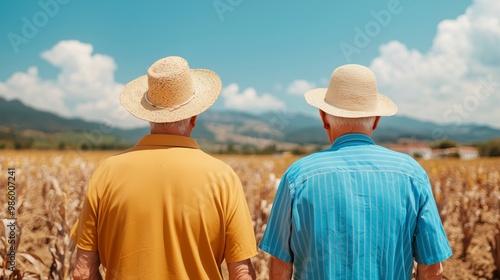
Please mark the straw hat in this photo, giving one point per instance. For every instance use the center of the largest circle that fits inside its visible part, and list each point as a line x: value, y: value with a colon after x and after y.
x: 352, y: 93
x: 171, y: 91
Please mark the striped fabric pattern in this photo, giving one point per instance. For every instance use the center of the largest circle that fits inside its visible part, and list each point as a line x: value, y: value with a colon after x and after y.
x: 355, y: 211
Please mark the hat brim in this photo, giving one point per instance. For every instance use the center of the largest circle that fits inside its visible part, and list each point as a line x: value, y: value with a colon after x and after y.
x: 207, y: 88
x: 316, y: 98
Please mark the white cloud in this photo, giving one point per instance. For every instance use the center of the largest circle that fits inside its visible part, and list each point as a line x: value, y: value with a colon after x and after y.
x: 83, y: 74
x: 27, y: 86
x: 458, y: 80
x: 249, y: 99
x: 300, y: 87
x: 85, y: 86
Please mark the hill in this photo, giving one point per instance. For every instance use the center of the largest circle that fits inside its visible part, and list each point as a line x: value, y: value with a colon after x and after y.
x: 22, y: 123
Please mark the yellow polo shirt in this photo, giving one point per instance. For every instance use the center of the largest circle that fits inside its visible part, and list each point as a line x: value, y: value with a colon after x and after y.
x: 164, y: 209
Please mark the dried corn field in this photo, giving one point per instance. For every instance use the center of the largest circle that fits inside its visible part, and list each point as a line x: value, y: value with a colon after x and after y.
x: 50, y: 186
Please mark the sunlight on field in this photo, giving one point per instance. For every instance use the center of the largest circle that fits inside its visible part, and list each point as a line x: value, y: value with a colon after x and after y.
x: 50, y: 186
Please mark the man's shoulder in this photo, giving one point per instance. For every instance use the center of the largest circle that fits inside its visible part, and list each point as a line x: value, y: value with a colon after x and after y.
x: 194, y: 155
x: 306, y: 164
x: 197, y: 157
x: 343, y: 160
x: 351, y: 154
x: 404, y: 158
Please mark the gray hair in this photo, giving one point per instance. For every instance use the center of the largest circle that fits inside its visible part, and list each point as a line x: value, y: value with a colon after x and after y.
x: 366, y: 123
x: 182, y: 126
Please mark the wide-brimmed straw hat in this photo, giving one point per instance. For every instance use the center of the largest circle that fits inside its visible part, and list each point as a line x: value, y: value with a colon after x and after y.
x: 352, y: 93
x: 171, y: 91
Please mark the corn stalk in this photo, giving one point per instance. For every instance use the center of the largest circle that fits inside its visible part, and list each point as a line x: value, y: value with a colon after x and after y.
x: 495, y: 249
x: 62, y: 248
x: 21, y: 269
x: 469, y: 215
x: 441, y: 199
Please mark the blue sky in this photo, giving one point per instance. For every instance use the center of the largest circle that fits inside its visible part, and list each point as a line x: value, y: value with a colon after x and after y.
x: 438, y: 60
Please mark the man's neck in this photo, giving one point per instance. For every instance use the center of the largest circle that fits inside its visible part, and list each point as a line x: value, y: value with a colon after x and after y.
x: 335, y: 134
x: 171, y: 133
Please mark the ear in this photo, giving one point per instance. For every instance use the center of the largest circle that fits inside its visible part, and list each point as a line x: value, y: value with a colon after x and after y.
x: 322, y: 114
x: 192, y: 122
x: 375, y: 124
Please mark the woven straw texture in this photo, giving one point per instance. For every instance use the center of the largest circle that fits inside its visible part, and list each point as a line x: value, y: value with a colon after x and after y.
x: 171, y: 91
x: 352, y: 93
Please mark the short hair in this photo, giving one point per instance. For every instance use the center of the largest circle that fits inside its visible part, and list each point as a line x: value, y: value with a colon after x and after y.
x: 366, y: 122
x: 182, y: 125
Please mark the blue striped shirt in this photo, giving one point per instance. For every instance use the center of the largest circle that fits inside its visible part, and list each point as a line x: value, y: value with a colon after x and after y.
x: 355, y: 211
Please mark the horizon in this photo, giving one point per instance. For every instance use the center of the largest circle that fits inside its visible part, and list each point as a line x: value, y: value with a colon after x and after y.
x: 278, y: 114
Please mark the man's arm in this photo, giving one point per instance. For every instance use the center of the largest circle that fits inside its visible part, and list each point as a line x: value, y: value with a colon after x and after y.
x: 280, y: 270
x: 429, y: 272
x: 242, y: 270
x: 87, y: 265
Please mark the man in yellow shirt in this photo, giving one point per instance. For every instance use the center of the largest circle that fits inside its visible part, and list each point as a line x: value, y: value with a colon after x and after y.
x: 164, y: 209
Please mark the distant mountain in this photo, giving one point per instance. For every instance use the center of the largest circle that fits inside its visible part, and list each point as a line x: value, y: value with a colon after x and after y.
x: 396, y: 127
x: 230, y: 127
x: 19, y: 116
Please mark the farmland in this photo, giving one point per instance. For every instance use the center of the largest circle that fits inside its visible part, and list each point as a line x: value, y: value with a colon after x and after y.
x: 50, y: 186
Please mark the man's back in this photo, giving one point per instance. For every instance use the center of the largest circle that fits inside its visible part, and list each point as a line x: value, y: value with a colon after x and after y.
x: 166, y: 210
x: 356, y: 209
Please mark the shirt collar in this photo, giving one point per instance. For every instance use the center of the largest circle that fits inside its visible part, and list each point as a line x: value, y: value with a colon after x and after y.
x: 167, y: 140
x: 352, y: 139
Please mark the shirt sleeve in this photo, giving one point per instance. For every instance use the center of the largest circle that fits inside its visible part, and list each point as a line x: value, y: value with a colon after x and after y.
x: 240, y: 237
x: 430, y: 243
x: 84, y: 232
x: 277, y: 236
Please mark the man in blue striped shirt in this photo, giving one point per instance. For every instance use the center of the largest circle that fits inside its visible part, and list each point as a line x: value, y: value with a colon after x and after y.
x: 355, y: 210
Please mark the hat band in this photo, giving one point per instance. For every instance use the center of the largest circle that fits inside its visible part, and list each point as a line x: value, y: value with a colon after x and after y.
x: 168, y: 108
